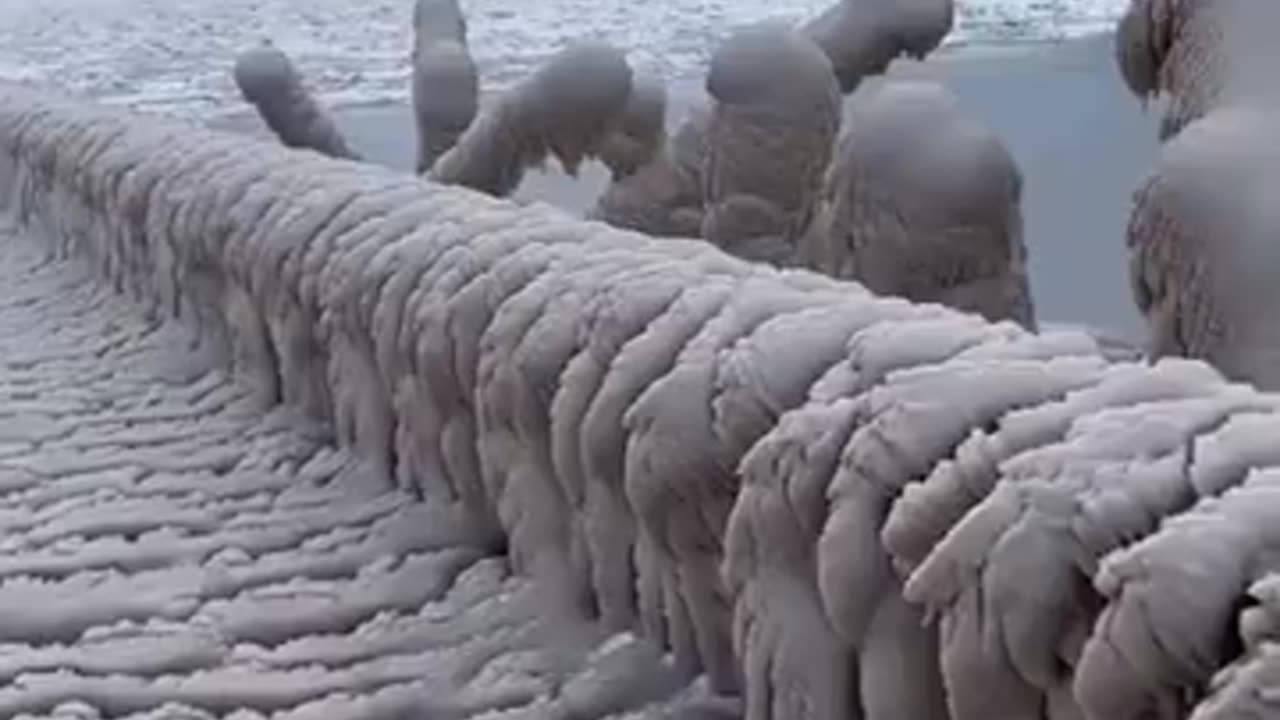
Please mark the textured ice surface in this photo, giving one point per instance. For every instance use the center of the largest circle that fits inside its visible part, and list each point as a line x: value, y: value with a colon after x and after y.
x: 174, y: 55
x: 627, y: 422
x: 168, y: 553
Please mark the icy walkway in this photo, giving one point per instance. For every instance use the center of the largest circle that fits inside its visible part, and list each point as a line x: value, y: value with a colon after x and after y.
x: 166, y: 551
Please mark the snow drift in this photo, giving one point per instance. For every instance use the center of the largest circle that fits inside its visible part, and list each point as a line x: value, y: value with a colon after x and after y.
x: 776, y: 475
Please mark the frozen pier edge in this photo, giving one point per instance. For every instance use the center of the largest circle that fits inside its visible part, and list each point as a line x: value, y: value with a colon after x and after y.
x: 326, y: 441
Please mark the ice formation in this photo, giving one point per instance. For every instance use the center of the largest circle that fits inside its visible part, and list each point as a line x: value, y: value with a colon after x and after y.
x: 446, y: 84
x: 268, y: 80
x: 332, y: 441
x: 566, y: 110
x: 168, y: 57
x: 664, y: 196
x: 1202, y: 241
x: 747, y: 170
x: 1202, y: 233
x: 1199, y: 54
x: 640, y: 131
x: 774, y: 118
x: 861, y: 37
x: 925, y: 203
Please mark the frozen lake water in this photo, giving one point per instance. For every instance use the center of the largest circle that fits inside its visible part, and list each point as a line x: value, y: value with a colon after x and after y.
x: 173, y: 55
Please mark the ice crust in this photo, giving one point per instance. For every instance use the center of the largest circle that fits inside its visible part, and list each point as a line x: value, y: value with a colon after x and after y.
x: 329, y: 441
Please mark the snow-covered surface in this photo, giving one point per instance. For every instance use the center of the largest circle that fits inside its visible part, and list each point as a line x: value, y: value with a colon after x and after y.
x: 590, y: 393
x: 175, y: 55
x: 168, y: 553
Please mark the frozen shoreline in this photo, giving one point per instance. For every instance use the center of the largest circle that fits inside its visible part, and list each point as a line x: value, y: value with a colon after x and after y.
x: 174, y: 56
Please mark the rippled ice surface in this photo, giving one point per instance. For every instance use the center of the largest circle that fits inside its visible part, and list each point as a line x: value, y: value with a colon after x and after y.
x: 173, y: 56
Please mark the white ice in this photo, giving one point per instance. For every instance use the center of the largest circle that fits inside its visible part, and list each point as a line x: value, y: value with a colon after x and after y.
x: 168, y: 554
x: 174, y: 56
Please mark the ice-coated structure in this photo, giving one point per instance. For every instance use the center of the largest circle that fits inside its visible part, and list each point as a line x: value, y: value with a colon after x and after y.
x: 775, y: 475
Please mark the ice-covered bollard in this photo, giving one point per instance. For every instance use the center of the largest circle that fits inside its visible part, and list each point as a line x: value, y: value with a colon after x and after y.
x: 269, y: 81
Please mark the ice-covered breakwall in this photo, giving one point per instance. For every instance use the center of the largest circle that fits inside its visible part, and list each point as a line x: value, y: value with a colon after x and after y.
x: 590, y: 398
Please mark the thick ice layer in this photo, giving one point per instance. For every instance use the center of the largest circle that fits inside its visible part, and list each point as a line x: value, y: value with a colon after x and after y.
x: 566, y: 110
x: 774, y: 118
x: 587, y: 401
x: 268, y: 80
x: 170, y: 553
x: 924, y: 203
